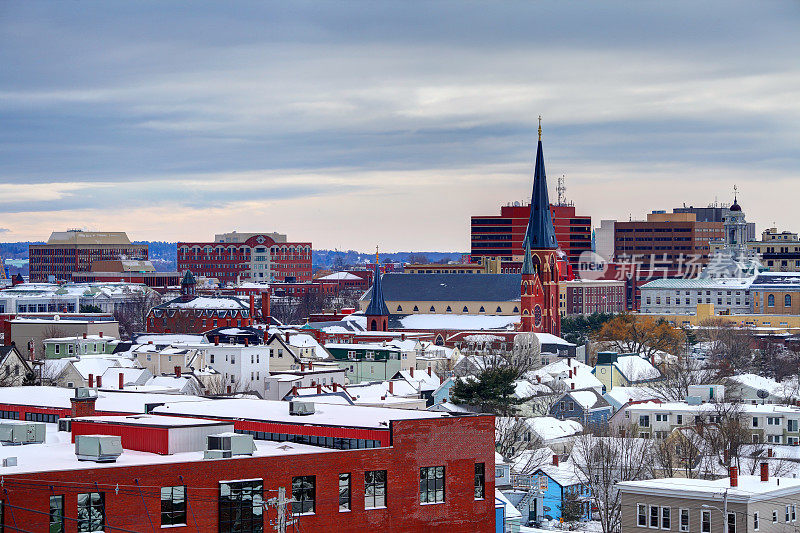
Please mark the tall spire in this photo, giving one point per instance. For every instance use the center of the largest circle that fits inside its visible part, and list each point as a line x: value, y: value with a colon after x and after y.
x: 540, y: 233
x: 377, y: 305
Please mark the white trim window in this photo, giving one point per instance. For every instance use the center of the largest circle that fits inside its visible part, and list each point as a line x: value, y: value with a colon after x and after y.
x: 774, y: 516
x: 684, y: 520
x: 666, y: 518
x: 731, y: 522
x: 705, y: 521
x: 654, y: 515
x: 641, y: 513
x: 755, y: 521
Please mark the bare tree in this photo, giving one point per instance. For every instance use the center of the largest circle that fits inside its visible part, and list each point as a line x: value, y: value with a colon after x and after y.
x: 602, y: 462
x: 132, y: 314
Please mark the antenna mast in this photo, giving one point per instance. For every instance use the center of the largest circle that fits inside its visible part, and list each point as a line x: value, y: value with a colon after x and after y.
x: 562, y: 190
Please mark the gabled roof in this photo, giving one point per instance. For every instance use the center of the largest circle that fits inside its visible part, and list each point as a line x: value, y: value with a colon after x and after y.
x: 449, y: 288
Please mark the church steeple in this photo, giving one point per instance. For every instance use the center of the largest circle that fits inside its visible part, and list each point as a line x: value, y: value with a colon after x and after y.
x: 377, y: 311
x: 188, y: 286
x: 540, y: 235
x: 527, y: 262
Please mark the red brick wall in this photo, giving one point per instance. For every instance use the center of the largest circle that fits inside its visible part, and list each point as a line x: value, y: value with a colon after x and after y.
x: 456, y: 443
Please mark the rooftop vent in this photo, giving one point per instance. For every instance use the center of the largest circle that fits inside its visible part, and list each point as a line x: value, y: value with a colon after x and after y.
x: 65, y: 424
x: 84, y: 392
x: 98, y: 448
x: 226, y: 445
x: 301, y: 408
x: 9, y: 461
x: 16, y: 433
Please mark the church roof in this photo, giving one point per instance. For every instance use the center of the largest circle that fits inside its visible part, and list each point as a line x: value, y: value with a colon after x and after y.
x: 527, y: 262
x: 377, y: 305
x: 540, y: 233
x: 449, y: 288
x: 188, y: 278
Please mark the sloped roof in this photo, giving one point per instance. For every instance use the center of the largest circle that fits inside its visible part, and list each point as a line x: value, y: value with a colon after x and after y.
x: 449, y: 288
x: 637, y: 368
x: 540, y: 233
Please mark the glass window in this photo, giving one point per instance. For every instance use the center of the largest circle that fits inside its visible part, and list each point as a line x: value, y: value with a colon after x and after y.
x: 91, y: 512
x: 684, y: 525
x: 375, y: 489
x: 654, y: 516
x: 303, y: 494
x: 431, y: 484
x: 173, y: 505
x: 666, y: 517
x: 731, y: 522
x: 642, y: 515
x: 56, y: 514
x: 480, y: 480
x: 755, y: 521
x: 344, y: 492
x: 705, y: 521
x: 241, y: 507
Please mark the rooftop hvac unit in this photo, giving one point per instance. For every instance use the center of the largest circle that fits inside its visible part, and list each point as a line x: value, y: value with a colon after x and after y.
x: 98, y: 448
x: 65, y: 424
x: 301, y: 408
x: 9, y: 461
x: 226, y: 445
x: 15, y: 433
x: 83, y: 392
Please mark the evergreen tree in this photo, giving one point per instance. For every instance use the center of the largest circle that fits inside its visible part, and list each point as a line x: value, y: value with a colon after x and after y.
x: 492, y: 391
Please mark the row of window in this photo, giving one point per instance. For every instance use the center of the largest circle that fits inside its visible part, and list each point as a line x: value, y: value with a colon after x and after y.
x: 660, y: 517
x: 336, y: 443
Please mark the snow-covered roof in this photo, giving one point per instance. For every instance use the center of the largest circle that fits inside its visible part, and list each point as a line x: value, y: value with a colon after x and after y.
x: 94, y: 366
x: 637, y: 368
x: 340, y: 276
x: 524, y: 388
x: 277, y: 411
x: 757, y: 382
x: 586, y: 399
x: 549, y: 428
x: 171, y: 338
x: 563, y: 474
x: 307, y: 341
x: 511, y: 512
x: 110, y: 401
x: 623, y: 395
x: 206, y: 302
x: 459, y: 322
x: 749, y: 488
x: 549, y: 338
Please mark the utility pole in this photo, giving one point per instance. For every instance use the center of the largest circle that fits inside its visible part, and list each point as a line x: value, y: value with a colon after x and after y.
x: 280, y: 503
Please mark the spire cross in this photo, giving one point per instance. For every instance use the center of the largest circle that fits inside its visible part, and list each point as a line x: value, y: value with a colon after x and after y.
x: 735, y: 191
x: 540, y: 127
x: 376, y: 255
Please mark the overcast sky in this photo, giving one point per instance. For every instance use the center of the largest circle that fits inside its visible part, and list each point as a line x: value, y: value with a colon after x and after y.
x: 351, y: 124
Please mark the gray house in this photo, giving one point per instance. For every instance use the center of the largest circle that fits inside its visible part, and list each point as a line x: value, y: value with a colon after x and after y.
x: 586, y: 406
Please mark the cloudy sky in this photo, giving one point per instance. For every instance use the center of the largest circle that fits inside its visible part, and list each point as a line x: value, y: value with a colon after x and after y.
x: 350, y: 124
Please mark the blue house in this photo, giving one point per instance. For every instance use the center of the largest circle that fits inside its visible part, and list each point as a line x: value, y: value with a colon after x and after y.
x: 554, y: 483
x: 586, y: 406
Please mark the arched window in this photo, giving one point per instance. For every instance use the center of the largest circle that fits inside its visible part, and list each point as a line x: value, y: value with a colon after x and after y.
x: 787, y: 300
x: 399, y: 309
x: 373, y: 326
x: 481, y: 310
x: 465, y: 310
x: 448, y: 309
x: 516, y: 309
x: 498, y: 310
x: 433, y: 310
x: 416, y: 309
x: 771, y: 300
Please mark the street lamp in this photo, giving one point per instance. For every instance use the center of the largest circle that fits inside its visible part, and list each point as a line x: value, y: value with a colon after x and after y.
x: 724, y: 511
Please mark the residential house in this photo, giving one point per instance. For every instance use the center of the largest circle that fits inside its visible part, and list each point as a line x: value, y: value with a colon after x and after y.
x: 624, y: 370
x: 366, y: 362
x: 556, y: 484
x: 81, y: 345
x: 13, y: 367
x: 584, y: 406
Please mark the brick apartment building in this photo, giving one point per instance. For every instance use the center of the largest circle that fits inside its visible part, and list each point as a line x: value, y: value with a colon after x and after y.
x: 500, y: 237
x: 235, y: 257
x: 74, y: 251
x: 420, y: 471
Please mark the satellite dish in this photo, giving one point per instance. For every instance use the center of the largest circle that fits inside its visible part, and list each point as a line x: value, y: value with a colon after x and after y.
x: 761, y: 393
x: 516, y: 204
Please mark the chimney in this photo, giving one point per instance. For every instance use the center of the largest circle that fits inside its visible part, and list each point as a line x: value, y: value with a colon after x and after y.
x: 99, y: 381
x: 391, y: 387
x: 82, y: 406
x: 555, y: 460
x: 266, y: 335
x: 335, y: 387
x: 229, y: 389
x: 265, y: 312
x: 653, y: 359
x: 101, y: 334
x: 411, y: 371
x: 538, y: 379
x: 121, y: 381
x: 216, y: 340
x: 149, y: 342
x: 769, y: 452
x: 572, y: 385
x: 177, y: 371
x: 311, y: 365
x: 286, y: 336
x: 570, y: 372
x: 569, y: 360
x: 247, y: 341
x: 764, y: 472
x: 302, y: 367
x: 734, y: 475
x: 402, y: 336
x: 91, y: 381
x: 84, y: 334
x: 252, y: 306
x: 429, y: 371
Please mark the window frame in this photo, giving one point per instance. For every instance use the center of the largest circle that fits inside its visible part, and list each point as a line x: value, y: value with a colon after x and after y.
x: 641, y: 515
x: 666, y: 515
x: 305, y: 501
x: 684, y: 512
x: 236, y: 501
x: 657, y: 516
x: 371, y: 487
x: 705, y: 520
x: 91, y: 507
x: 171, y: 507
x: 59, y: 513
x: 345, y: 504
x: 480, y: 481
x: 432, y: 484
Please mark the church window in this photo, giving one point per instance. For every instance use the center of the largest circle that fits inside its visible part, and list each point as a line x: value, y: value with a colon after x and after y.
x: 516, y: 309
x: 465, y: 310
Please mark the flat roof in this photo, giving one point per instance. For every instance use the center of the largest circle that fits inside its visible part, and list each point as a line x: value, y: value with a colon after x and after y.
x: 152, y: 421
x: 750, y: 488
x: 113, y: 401
x: 278, y: 411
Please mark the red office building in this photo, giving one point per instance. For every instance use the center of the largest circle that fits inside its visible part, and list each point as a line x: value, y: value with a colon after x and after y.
x: 235, y: 257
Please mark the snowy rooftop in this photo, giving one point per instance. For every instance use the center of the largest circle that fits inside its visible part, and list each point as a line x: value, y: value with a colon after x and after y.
x: 340, y: 276
x: 637, y: 368
x: 459, y: 322
x: 113, y: 401
x: 58, y: 453
x: 153, y: 421
x: 549, y: 428
x: 276, y: 411
x: 205, y: 302
x: 750, y: 488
